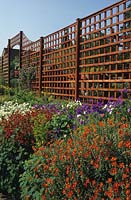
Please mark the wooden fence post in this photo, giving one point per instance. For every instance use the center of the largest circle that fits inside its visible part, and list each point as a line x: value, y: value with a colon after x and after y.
x: 2, y: 64
x: 20, y: 53
x: 77, y: 59
x: 40, y: 72
x: 9, y: 55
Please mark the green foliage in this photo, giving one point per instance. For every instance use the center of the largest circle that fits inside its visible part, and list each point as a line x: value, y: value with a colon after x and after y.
x: 123, y: 111
x: 36, y: 189
x: 26, y: 76
x: 16, y: 140
x: 15, y: 62
x: 2, y: 81
x: 5, y: 93
x: 59, y: 126
x: 5, y: 90
x: 40, y: 129
x: 26, y: 96
x: 12, y: 156
x: 14, y: 82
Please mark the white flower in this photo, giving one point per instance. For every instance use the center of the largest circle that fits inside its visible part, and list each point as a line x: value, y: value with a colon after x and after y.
x: 10, y: 107
x: 105, y: 106
x: 73, y: 104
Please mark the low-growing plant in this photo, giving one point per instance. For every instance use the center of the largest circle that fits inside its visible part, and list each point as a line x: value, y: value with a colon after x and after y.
x: 26, y: 96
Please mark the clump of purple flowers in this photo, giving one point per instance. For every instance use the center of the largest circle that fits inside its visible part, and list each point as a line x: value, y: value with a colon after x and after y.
x: 111, y: 105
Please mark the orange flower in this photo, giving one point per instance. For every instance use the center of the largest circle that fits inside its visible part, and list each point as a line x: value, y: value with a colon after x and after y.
x: 120, y: 144
x: 87, y: 182
x: 120, y: 131
x: 124, y: 176
x: 86, y: 131
x: 127, y: 169
x: 45, y: 185
x: 46, y: 167
x: 68, y: 186
x: 101, y: 124
x: 113, y: 159
x: 109, y: 193
x: 128, y: 144
x: 93, y: 126
x: 121, y: 165
x: 49, y: 180
x: 124, y: 126
x: 64, y: 191
x: 42, y: 148
x: 96, y: 165
x: 109, y: 180
x: 114, y: 164
x: 74, y: 185
x: 101, y: 184
x: 34, y: 148
x: 43, y: 197
x: 67, y: 170
x: 81, y: 173
x: 110, y: 122
x: 113, y: 171
x: 67, y: 179
x: 116, y: 186
x: 127, y: 185
x: 128, y: 197
x: 94, y: 182
x: 70, y: 194
x: 36, y: 176
x: 106, y: 158
x: 74, y: 152
x: 128, y: 192
x: 70, y: 141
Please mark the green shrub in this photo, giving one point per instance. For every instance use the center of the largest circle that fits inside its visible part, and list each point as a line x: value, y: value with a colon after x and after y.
x: 23, y: 96
x: 12, y: 156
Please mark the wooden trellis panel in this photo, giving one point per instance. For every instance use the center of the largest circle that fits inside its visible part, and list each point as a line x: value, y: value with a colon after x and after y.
x: 31, y: 58
x: 5, y: 63
x: 105, y: 53
x: 89, y: 59
x: 59, y: 63
x: 1, y: 66
x: 15, y: 40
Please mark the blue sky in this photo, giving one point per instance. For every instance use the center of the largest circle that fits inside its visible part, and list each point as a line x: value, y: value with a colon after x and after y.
x: 38, y: 18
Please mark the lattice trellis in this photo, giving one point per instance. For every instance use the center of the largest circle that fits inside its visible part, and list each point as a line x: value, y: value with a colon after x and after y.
x: 105, y: 53
x: 89, y: 59
x: 31, y: 58
x: 59, y: 62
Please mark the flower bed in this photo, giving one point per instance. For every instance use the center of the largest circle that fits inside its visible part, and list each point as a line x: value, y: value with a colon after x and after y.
x: 66, y: 151
x: 95, y: 163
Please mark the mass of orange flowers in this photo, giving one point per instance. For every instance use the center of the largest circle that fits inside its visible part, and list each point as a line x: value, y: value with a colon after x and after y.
x: 94, y: 163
